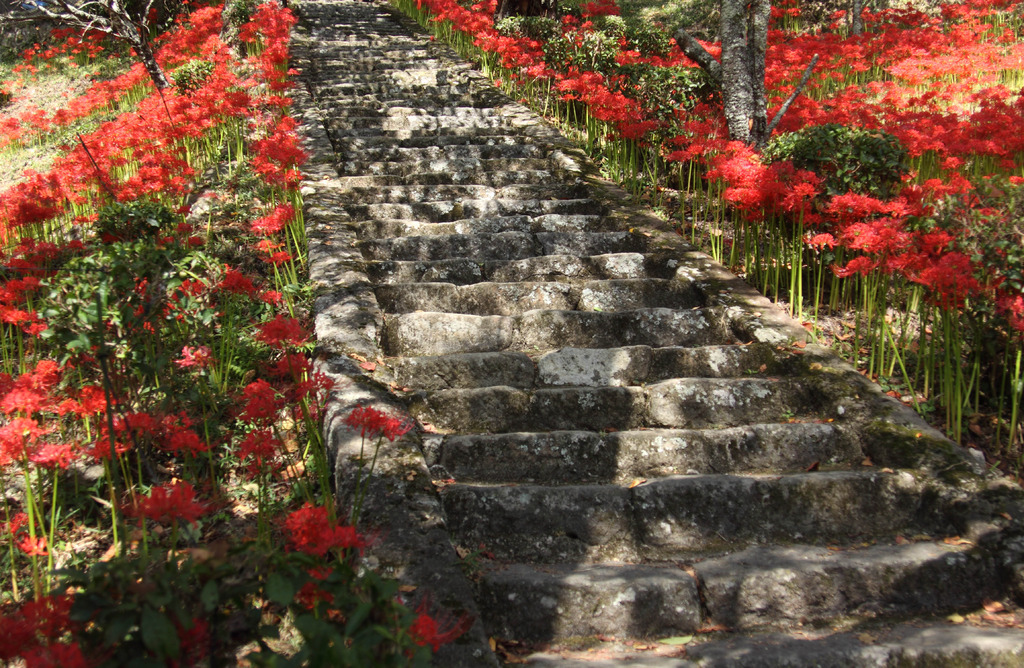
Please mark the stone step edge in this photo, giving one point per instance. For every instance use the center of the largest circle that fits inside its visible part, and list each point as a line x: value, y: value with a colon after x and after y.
x: 933, y: 644
x: 771, y: 587
x: 413, y: 545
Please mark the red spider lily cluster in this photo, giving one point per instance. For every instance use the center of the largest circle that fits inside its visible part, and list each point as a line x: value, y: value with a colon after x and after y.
x: 177, y: 371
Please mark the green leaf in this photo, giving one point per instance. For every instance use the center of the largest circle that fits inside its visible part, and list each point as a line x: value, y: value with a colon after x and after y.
x: 210, y: 596
x: 676, y: 640
x: 158, y: 634
x: 279, y: 589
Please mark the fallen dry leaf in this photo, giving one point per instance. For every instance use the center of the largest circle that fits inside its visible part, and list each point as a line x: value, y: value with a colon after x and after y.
x: 867, y: 462
x: 636, y: 482
x: 994, y: 606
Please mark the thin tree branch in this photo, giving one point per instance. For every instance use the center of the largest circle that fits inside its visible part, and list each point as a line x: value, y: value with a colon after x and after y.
x: 698, y: 54
x: 792, y: 96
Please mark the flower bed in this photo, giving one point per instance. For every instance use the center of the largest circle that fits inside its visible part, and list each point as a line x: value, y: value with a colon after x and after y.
x: 169, y: 497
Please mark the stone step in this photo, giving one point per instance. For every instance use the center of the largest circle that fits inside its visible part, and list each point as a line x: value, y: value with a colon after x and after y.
x: 422, y: 124
x: 582, y: 367
x: 396, y: 158
x: 464, y: 271
x: 414, y: 334
x: 773, y: 587
x: 377, y: 175
x: 624, y: 456
x: 502, y: 246
x: 393, y: 117
x: 359, y: 146
x: 922, y: 643
x: 443, y: 211
x: 684, y: 403
x: 384, y: 228
x: 517, y: 298
x: 418, y: 194
x: 681, y: 517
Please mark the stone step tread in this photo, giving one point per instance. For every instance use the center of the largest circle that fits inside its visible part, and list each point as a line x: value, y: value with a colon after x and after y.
x: 451, y: 155
x: 503, y: 246
x: 443, y: 211
x: 682, y: 517
x: 554, y: 267
x: 621, y: 366
x: 356, y: 146
x: 680, y: 403
x: 414, y: 193
x: 385, y: 228
x: 517, y: 298
x: 416, y: 334
x: 759, y: 587
x: 625, y: 456
x: 929, y: 643
x: 376, y: 175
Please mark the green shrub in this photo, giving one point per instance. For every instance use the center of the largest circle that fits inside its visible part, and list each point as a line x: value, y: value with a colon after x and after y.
x: 124, y: 221
x: 191, y: 76
x: 848, y: 159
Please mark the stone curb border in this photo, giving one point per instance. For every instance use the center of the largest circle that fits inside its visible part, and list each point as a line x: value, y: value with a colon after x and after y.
x: 411, y: 543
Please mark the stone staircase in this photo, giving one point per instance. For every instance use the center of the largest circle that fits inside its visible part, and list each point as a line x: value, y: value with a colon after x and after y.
x: 619, y: 441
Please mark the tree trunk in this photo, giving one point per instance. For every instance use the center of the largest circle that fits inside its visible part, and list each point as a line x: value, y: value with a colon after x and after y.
x: 856, y: 20
x: 506, y: 8
x: 148, y: 58
x: 744, y: 42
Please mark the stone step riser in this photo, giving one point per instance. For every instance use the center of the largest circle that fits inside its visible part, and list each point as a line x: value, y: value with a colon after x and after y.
x: 683, y: 517
x: 698, y: 403
x: 757, y: 588
x: 391, y: 122
x: 622, y: 457
x: 382, y: 175
x: 579, y: 367
x: 463, y: 271
x: 360, y: 146
x: 418, y: 194
x: 503, y: 246
x: 523, y: 224
x: 416, y: 334
x: 397, y: 159
x: 448, y: 211
x: 518, y: 298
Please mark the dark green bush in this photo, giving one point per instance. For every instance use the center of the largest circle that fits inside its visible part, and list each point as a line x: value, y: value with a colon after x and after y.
x: 191, y: 76
x: 848, y: 159
x: 124, y: 221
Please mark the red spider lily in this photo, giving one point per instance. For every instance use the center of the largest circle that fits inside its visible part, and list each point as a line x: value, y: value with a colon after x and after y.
x: 54, y: 455
x: 260, y: 451
x: 275, y: 221
x: 171, y: 503
x: 18, y: 439
x: 33, y: 547
x: 261, y: 403
x: 31, y: 392
x: 198, y: 357
x: 235, y: 282
x: 34, y: 625
x: 310, y: 530
x: 280, y: 332
x: 372, y: 422
x: 427, y: 630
